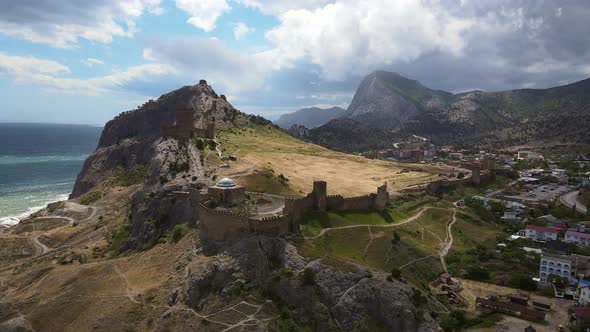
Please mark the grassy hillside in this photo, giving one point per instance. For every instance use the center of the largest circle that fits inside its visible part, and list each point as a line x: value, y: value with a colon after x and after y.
x: 266, y: 150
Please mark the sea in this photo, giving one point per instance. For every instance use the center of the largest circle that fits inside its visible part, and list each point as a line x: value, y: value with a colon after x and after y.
x: 39, y: 164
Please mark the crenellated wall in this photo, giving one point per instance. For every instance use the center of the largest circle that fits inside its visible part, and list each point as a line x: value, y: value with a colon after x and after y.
x: 220, y: 225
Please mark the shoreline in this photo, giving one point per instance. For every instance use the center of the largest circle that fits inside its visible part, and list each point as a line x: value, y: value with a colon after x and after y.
x: 10, y: 221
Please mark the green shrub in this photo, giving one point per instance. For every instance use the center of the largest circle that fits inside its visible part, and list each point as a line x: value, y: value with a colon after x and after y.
x: 90, y: 197
x: 129, y: 176
x: 308, y: 277
x: 200, y: 144
x: 178, y: 232
x: 120, y: 236
x: 178, y: 167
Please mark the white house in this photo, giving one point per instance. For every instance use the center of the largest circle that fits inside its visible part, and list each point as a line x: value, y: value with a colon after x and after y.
x: 584, y: 298
x: 541, y: 233
x: 529, y: 155
x: 552, y: 264
x: 578, y: 238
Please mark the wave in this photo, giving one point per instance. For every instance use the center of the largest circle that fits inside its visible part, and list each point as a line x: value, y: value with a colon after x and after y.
x: 13, y: 220
x: 15, y: 160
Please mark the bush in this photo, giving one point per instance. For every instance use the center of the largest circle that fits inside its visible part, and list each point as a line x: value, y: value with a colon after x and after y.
x: 200, y: 144
x: 460, y: 175
x: 308, y: 277
x: 523, y: 281
x: 90, y: 197
x: 396, y: 273
x: 129, y: 176
x: 178, y: 232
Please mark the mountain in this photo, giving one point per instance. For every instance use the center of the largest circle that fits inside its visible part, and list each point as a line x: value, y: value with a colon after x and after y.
x: 347, y: 135
x: 553, y: 118
x: 388, y: 100
x: 309, y: 117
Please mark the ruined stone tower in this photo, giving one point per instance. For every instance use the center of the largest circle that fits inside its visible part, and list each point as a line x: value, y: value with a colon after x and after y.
x: 319, y: 195
x: 382, y: 197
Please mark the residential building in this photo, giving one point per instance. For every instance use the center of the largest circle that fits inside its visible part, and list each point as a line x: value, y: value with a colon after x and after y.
x: 584, y: 297
x: 528, y: 155
x: 541, y: 233
x: 572, y: 267
x: 554, y: 264
x: 577, y: 238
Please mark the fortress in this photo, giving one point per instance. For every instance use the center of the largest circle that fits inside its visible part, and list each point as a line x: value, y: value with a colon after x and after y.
x: 219, y: 225
x: 184, y: 128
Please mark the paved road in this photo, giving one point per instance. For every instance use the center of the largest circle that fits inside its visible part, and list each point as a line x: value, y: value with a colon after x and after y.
x: 570, y: 199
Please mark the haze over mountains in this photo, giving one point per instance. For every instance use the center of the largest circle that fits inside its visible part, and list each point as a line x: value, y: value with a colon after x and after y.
x: 398, y: 106
x: 310, y: 117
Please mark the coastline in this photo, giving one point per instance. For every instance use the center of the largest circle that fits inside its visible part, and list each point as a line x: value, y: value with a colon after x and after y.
x: 9, y: 221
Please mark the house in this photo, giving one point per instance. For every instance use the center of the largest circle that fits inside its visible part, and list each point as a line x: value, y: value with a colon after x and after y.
x: 512, y: 216
x: 541, y: 233
x: 584, y: 297
x: 572, y: 267
x: 577, y: 238
x: 555, y: 264
x: 455, y: 156
x: 528, y: 155
x: 556, y: 246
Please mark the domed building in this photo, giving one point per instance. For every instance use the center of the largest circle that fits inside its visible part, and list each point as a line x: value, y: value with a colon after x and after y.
x: 227, y: 193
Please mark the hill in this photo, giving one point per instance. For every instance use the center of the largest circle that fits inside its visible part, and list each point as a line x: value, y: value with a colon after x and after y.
x: 552, y: 118
x: 387, y: 100
x: 125, y: 253
x: 309, y: 117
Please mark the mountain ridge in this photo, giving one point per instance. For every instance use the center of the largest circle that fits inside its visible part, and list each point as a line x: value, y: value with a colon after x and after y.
x: 310, y: 117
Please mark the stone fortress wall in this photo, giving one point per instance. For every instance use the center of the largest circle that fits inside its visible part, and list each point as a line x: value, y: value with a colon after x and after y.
x: 481, y: 173
x: 218, y: 225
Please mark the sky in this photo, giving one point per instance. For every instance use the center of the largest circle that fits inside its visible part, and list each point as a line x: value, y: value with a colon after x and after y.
x: 79, y: 61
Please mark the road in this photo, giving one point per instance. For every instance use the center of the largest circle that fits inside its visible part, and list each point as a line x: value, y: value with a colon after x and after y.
x: 570, y: 199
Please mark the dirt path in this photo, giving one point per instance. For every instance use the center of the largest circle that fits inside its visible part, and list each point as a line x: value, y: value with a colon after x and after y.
x: 410, y: 219
x: 37, y: 243
x: 448, y: 243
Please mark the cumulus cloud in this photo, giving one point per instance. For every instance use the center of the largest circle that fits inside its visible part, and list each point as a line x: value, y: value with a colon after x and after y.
x: 50, y: 75
x: 61, y: 23
x: 91, y: 62
x: 351, y: 37
x: 210, y: 59
x: 204, y: 13
x: 241, y: 30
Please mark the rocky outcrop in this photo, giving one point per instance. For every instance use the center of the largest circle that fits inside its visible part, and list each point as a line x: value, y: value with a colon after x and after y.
x: 387, y: 100
x: 134, y: 137
x: 319, y: 295
x: 172, y: 167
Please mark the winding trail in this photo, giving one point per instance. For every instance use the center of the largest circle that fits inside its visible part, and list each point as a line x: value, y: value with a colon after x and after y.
x: 409, y: 220
x: 448, y: 243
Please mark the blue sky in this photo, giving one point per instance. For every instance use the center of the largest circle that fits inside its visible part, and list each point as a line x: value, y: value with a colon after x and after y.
x: 84, y: 62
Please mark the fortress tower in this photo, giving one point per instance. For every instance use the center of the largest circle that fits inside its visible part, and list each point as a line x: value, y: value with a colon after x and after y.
x: 382, y: 197
x: 319, y: 195
x: 476, y: 175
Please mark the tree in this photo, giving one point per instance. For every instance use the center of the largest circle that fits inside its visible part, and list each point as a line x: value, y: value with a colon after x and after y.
x: 460, y: 175
x: 396, y: 273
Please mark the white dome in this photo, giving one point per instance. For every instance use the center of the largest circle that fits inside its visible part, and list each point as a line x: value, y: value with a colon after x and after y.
x: 226, y: 182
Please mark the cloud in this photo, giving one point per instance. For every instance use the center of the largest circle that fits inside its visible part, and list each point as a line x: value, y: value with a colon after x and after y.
x: 241, y: 30
x: 352, y: 37
x: 49, y: 75
x: 204, y: 13
x: 210, y: 59
x: 91, y: 62
x: 61, y: 23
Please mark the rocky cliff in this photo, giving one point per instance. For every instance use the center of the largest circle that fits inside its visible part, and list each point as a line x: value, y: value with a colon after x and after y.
x: 552, y: 118
x: 133, y: 141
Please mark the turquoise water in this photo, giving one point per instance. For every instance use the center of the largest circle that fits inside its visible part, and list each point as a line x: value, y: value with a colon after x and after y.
x: 39, y: 164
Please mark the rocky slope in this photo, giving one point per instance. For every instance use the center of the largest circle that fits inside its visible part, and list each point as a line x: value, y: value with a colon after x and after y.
x: 347, y: 135
x: 387, y: 100
x: 552, y: 118
x: 133, y: 141
x: 309, y: 117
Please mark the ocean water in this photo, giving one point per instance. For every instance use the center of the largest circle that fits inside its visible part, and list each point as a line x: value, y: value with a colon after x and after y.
x: 39, y: 164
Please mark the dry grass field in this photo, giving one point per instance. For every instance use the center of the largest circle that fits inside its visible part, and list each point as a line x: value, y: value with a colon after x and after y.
x: 266, y: 150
